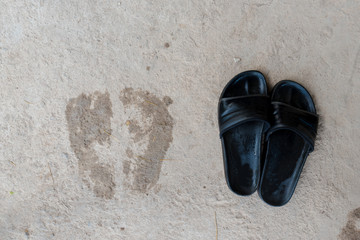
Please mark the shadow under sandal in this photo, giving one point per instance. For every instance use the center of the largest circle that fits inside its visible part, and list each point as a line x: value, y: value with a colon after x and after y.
x: 243, y: 119
x: 289, y: 141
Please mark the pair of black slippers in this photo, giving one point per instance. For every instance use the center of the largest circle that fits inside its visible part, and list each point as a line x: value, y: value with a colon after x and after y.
x: 265, y: 139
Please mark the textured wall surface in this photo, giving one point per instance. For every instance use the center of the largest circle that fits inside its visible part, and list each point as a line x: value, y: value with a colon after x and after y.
x: 108, y: 117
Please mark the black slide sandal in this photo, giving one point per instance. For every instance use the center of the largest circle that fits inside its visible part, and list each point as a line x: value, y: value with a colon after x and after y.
x: 243, y: 119
x: 289, y: 141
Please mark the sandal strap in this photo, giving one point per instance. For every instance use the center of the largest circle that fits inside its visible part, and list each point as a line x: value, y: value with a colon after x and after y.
x: 238, y: 110
x: 301, y: 122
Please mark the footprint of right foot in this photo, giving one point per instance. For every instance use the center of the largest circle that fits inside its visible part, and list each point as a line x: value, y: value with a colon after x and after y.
x: 150, y: 126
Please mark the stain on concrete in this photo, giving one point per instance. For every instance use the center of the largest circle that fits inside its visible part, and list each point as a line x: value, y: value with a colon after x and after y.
x: 150, y: 126
x: 27, y: 233
x: 88, y: 118
x: 350, y: 231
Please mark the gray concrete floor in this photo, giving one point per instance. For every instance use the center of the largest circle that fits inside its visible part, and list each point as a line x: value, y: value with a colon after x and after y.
x: 108, y: 118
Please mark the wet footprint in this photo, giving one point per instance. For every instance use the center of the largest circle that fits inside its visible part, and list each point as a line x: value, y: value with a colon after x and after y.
x: 88, y: 118
x: 352, y: 230
x: 150, y: 126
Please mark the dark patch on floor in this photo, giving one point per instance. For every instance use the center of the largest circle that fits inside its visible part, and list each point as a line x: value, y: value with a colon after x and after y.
x: 88, y: 118
x: 151, y: 131
x: 27, y: 233
x: 350, y: 231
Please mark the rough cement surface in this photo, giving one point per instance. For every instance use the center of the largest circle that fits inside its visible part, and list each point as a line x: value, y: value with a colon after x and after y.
x: 80, y: 160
